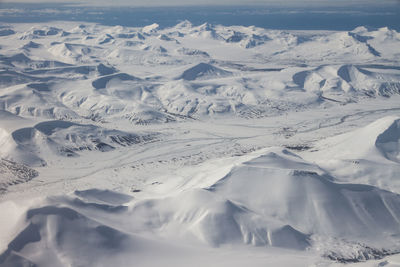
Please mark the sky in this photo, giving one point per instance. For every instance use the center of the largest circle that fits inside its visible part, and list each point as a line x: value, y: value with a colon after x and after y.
x: 210, y: 2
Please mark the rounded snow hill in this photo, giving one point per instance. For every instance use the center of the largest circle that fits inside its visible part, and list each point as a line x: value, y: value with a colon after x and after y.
x: 214, y: 220
x: 100, y: 235
x: 204, y: 71
x: 64, y: 230
x: 283, y: 186
x: 102, y: 82
x: 347, y: 80
x: 250, y: 88
x: 277, y: 199
x: 34, y: 146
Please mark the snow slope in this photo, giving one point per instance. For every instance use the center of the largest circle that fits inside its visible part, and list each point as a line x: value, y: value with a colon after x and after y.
x: 260, y: 68
x: 364, y: 155
x: 277, y: 199
x: 198, y: 145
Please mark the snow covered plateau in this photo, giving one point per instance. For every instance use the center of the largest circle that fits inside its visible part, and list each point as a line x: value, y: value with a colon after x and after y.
x: 198, y: 145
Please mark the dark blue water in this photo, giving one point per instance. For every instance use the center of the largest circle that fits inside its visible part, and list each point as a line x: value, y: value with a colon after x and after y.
x: 294, y: 18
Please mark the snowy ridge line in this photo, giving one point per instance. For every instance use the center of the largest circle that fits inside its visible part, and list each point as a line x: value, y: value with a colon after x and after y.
x: 286, y: 192
x: 166, y: 75
x: 50, y: 139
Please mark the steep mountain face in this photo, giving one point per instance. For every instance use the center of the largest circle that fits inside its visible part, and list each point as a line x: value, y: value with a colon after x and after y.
x: 364, y: 155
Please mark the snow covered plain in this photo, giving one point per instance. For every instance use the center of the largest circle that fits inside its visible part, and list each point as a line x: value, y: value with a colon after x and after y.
x: 198, y: 145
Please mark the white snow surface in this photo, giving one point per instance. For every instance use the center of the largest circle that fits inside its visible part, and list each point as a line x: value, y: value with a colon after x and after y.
x: 198, y: 146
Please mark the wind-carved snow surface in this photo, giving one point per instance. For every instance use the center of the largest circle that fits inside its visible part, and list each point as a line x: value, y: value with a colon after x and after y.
x: 198, y: 145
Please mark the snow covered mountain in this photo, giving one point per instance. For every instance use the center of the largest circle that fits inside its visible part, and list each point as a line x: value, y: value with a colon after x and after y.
x: 124, y: 144
x: 208, y: 66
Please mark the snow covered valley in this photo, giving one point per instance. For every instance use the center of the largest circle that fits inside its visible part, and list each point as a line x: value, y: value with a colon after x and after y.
x: 198, y: 145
